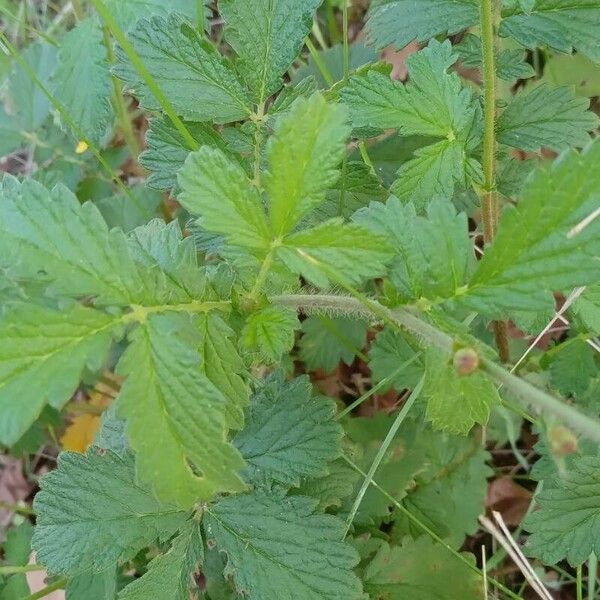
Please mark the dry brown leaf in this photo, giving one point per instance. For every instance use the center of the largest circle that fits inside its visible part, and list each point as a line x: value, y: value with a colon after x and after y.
x: 509, y: 499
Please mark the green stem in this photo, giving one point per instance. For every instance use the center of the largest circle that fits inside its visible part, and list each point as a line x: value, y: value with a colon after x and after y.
x: 144, y: 73
x: 489, y: 198
x: 59, y: 584
x: 262, y: 275
x: 12, y: 570
x: 579, y: 582
x: 346, y: 48
x: 327, y: 76
x: 258, y: 139
x: 17, y: 508
x: 401, y: 319
x: 592, y: 575
x: 200, y: 21
x: 119, y: 101
x: 389, y: 438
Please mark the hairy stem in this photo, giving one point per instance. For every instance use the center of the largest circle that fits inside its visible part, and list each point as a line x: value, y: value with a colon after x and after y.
x: 527, y: 393
x: 489, y: 198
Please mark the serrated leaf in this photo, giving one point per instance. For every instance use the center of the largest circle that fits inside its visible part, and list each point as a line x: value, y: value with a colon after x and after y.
x: 127, y: 12
x: 175, y: 416
x: 573, y: 367
x: 268, y: 36
x: 269, y: 332
x: 42, y: 356
x: 223, y: 366
x: 169, y: 575
x: 82, y: 82
x: 420, y: 570
x: 289, y: 434
x: 278, y: 548
x: 433, y: 103
x: 41, y: 235
x: 510, y: 63
x: 91, y: 514
x: 167, y: 150
x: 449, y: 493
x: 566, y: 524
x: 456, y: 403
x: 399, y: 22
x: 208, y: 174
x: 433, y: 255
x: 561, y: 25
x: 200, y: 84
x: 393, y: 358
x: 303, y: 154
x: 532, y: 255
x: 546, y: 117
x: 349, y: 249
x: 587, y: 308
x: 327, y: 340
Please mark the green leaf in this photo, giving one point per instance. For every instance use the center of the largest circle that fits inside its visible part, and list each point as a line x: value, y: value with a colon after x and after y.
x: 223, y: 366
x: 510, y: 63
x: 167, y: 150
x: 169, y: 575
x: 420, y: 570
x: 175, y: 416
x: 456, y: 403
x: 129, y: 211
x: 576, y: 71
x: 587, y: 308
x: 82, y: 81
x: 433, y: 255
x: 561, y: 25
x: 533, y: 255
x: 433, y: 103
x: 208, y: 174
x: 573, y: 367
x: 289, y: 434
x: 349, y: 249
x: 41, y: 234
x: 127, y: 12
x: 391, y: 356
x: 327, y: 340
x: 268, y: 36
x: 200, y: 84
x: 269, y: 332
x: 450, y: 488
x: 278, y: 548
x: 546, y: 117
x: 100, y: 586
x: 42, y: 356
x: 91, y: 514
x: 566, y: 524
x: 303, y: 154
x: 399, y: 22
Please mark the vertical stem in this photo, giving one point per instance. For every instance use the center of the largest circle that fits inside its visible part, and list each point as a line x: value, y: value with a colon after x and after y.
x: 592, y: 574
x: 119, y: 101
x: 200, y: 15
x: 345, y: 41
x: 579, y: 582
x: 489, y: 199
x: 258, y: 140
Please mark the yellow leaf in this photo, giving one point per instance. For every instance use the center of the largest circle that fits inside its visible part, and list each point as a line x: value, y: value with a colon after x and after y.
x: 80, y: 433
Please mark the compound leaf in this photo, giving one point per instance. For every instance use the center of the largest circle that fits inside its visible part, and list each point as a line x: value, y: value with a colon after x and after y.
x: 268, y: 36
x: 175, y: 416
x: 42, y: 356
x: 289, y: 434
x: 169, y: 575
x: 277, y: 547
x: 548, y: 117
x: 533, y: 254
x: 82, y: 82
x: 91, y: 514
x: 209, y: 174
x: 304, y: 153
x: 200, y: 84
x: 566, y: 524
x: 399, y: 22
x: 561, y: 25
